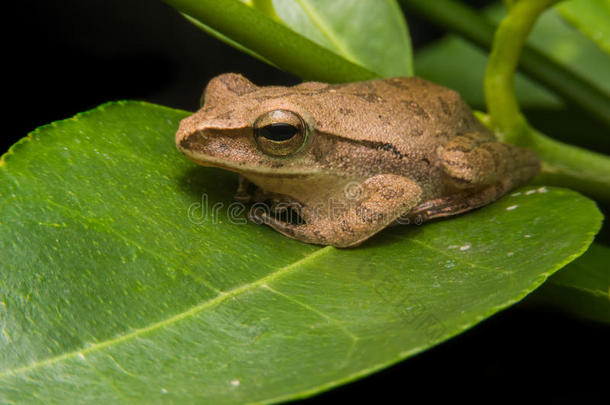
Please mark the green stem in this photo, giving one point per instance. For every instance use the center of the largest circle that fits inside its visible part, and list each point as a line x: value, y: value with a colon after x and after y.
x: 562, y: 164
x: 570, y: 166
x: 566, y: 165
x: 468, y: 23
x: 510, y: 37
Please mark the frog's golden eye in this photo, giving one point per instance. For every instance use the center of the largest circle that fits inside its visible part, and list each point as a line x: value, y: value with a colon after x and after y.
x: 280, y: 132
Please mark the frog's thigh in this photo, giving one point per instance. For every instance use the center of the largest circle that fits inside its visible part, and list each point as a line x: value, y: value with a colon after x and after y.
x: 476, y: 159
x: 483, y: 168
x: 385, y: 198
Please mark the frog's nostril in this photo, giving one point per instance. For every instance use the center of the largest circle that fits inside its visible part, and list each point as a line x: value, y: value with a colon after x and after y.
x: 189, y: 141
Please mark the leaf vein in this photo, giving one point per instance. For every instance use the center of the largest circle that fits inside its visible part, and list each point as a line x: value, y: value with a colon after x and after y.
x: 329, y: 318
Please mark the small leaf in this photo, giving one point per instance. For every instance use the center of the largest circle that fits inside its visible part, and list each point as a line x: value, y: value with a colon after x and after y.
x: 590, y: 17
x: 130, y: 276
x: 569, y: 47
x: 252, y: 31
x: 582, y: 287
x: 370, y: 33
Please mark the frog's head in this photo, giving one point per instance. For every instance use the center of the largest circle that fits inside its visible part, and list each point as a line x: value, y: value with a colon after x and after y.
x: 245, y: 128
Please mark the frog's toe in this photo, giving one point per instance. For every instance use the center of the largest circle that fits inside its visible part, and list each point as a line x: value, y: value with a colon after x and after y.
x: 301, y: 231
x: 242, y: 196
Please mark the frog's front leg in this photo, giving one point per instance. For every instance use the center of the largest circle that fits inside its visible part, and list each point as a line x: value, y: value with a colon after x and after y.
x: 368, y: 207
x: 243, y: 193
x: 481, y: 170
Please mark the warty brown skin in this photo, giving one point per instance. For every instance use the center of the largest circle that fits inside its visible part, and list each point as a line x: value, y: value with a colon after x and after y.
x: 372, y: 153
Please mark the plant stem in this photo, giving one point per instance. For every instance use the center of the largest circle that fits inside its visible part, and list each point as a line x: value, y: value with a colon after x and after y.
x: 468, y: 23
x: 509, y: 39
x: 562, y: 164
x: 565, y: 165
x: 570, y: 166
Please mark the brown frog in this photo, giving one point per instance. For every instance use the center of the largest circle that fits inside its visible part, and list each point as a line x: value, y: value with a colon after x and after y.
x: 350, y: 159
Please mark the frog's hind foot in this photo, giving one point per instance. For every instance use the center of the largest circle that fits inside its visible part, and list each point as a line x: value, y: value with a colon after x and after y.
x: 459, y: 202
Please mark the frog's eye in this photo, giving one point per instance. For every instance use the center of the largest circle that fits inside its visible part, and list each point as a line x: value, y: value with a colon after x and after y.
x: 280, y: 132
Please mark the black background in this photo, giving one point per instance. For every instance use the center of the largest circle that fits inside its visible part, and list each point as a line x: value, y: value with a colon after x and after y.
x: 63, y: 57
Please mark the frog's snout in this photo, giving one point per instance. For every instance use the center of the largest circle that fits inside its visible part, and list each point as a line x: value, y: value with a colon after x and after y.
x: 191, y: 134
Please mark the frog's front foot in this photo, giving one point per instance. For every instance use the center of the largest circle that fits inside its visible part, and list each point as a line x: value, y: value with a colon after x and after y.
x: 305, y: 232
x: 242, y: 194
x: 385, y: 198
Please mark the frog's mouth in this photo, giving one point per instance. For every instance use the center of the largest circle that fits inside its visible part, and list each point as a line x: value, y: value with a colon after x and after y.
x: 272, y: 167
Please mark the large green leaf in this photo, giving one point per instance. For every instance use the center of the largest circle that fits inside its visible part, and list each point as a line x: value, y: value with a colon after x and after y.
x: 128, y: 276
x: 591, y: 17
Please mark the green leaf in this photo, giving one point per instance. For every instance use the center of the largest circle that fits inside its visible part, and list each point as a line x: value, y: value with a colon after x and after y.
x: 582, y: 287
x: 590, y: 17
x: 250, y: 30
x: 370, y: 33
x: 129, y: 276
x: 568, y: 47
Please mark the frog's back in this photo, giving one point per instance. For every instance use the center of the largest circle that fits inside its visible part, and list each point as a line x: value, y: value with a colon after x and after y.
x: 393, y: 125
x: 407, y: 112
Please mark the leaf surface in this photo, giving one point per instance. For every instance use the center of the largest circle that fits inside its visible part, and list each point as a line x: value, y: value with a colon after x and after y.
x: 582, y: 287
x: 590, y: 17
x: 129, y: 275
x: 371, y: 33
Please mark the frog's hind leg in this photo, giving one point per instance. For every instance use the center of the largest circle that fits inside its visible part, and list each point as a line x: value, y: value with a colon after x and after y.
x: 457, y: 203
x: 476, y: 159
x: 480, y: 170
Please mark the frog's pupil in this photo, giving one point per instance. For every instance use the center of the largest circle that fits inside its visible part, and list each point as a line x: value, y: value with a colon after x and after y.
x: 279, y: 131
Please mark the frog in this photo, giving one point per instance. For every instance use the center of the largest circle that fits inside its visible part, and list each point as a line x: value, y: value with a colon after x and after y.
x: 347, y: 160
